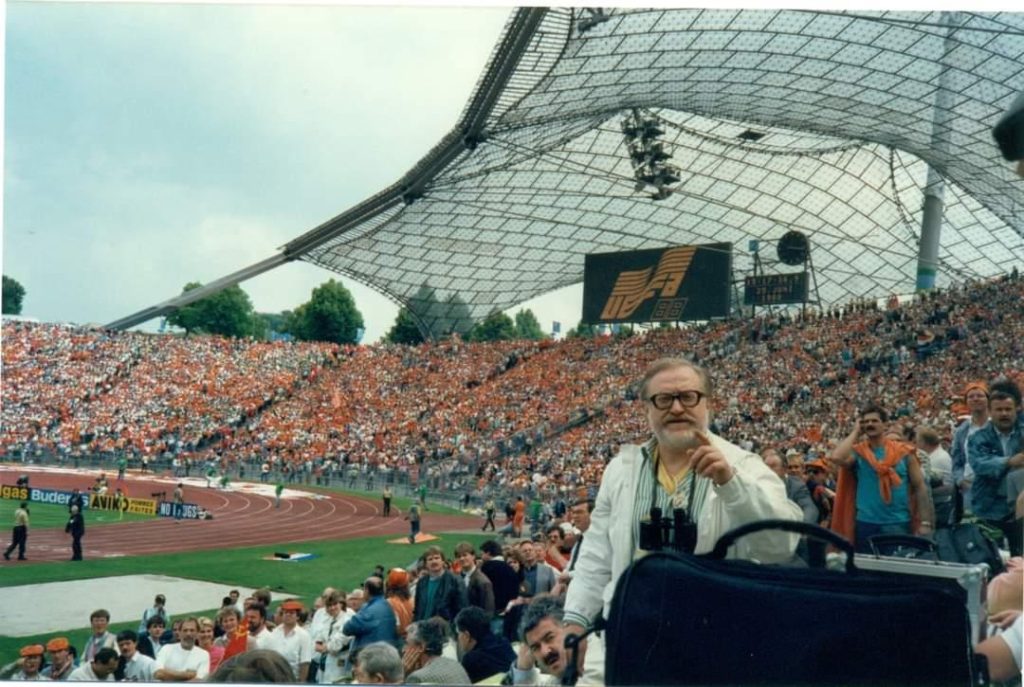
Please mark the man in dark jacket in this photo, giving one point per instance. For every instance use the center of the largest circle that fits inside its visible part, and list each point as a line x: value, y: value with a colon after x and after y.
x: 482, y: 653
x: 440, y: 592
x: 76, y: 528
x: 503, y: 579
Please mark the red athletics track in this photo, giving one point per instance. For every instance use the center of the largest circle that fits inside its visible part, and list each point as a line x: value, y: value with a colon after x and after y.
x: 239, y: 518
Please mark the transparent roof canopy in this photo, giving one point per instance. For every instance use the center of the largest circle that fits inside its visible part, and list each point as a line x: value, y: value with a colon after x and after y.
x: 822, y: 122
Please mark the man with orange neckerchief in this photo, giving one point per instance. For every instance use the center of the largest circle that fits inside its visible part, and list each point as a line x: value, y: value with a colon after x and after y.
x: 881, y: 488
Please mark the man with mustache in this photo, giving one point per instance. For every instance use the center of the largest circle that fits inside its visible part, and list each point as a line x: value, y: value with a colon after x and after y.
x: 543, y: 644
x: 684, y: 465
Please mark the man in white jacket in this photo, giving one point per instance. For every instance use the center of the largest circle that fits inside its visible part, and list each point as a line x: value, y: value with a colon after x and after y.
x: 685, y: 466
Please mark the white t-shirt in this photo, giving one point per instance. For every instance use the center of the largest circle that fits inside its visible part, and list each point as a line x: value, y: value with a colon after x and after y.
x: 173, y: 657
x: 296, y: 647
x: 1014, y: 639
x: 84, y: 673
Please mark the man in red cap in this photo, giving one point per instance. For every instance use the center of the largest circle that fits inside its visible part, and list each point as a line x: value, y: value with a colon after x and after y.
x: 291, y: 640
x: 976, y: 397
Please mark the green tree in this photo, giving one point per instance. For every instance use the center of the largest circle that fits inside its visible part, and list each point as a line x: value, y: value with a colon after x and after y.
x: 13, y: 295
x: 404, y: 330
x: 227, y: 313
x: 329, y: 315
x: 527, y: 326
x: 495, y: 327
x: 582, y: 331
x: 442, y: 318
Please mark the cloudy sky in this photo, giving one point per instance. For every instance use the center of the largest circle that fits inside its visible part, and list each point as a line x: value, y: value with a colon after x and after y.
x: 149, y: 145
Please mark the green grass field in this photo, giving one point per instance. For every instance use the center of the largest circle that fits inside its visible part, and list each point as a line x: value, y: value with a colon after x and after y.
x: 340, y: 564
x: 50, y: 515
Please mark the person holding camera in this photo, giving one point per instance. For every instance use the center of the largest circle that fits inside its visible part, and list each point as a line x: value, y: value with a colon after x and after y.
x: 706, y: 485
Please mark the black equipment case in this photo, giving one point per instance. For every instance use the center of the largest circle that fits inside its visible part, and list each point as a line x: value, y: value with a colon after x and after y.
x: 702, y: 620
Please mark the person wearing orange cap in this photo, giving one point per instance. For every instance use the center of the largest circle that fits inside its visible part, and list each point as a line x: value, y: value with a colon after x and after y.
x: 400, y: 600
x: 30, y: 659
x: 291, y: 640
x: 976, y: 397
x: 61, y: 662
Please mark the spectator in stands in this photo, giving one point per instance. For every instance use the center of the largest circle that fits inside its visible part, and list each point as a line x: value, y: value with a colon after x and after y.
x: 796, y: 488
x: 481, y: 652
x: 542, y: 634
x: 504, y: 580
x: 540, y: 577
x: 479, y: 590
x: 183, y: 661
x: 422, y: 660
x: 375, y: 621
x: 553, y: 554
x: 882, y: 488
x: 291, y: 640
x: 151, y: 641
x: 100, y: 637
x: 236, y: 638
x: 132, y: 665
x: 976, y: 397
x: 818, y: 484
x: 27, y: 667
x: 258, y: 665
x: 100, y: 669
x: 256, y: 620
x: 204, y: 640
x: 993, y: 452
x: 378, y: 663
x: 355, y: 600
x: 400, y: 600
x: 685, y: 464
x: 62, y: 663
x: 158, y: 609
x: 441, y: 593
x: 941, y: 475
x: 329, y: 641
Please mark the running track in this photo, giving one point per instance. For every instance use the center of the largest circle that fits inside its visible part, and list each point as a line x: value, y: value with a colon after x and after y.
x: 240, y: 518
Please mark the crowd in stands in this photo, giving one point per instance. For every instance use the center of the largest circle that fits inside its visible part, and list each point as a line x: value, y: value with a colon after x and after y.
x: 496, y: 418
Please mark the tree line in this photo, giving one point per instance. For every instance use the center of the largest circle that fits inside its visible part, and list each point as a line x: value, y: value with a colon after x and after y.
x: 331, y: 314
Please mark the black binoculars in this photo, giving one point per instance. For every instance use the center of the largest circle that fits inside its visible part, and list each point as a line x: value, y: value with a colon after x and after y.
x: 678, y: 533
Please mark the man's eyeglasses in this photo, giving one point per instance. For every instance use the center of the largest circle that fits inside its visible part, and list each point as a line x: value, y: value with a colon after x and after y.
x: 687, y: 399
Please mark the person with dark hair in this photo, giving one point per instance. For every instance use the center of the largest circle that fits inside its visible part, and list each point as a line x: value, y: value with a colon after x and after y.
x: 994, y: 452
x: 100, y: 669
x: 152, y: 639
x: 542, y: 634
x: 256, y: 620
x: 76, y: 528
x: 184, y: 660
x: 158, y: 609
x: 480, y: 651
x: 62, y: 662
x: 422, y: 659
x: 19, y: 535
x: 504, y: 580
x: 439, y: 593
x: 258, y: 665
x: 479, y: 590
x: 100, y: 638
x: 882, y: 488
x: 378, y: 664
x: 132, y: 665
x: 375, y: 621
